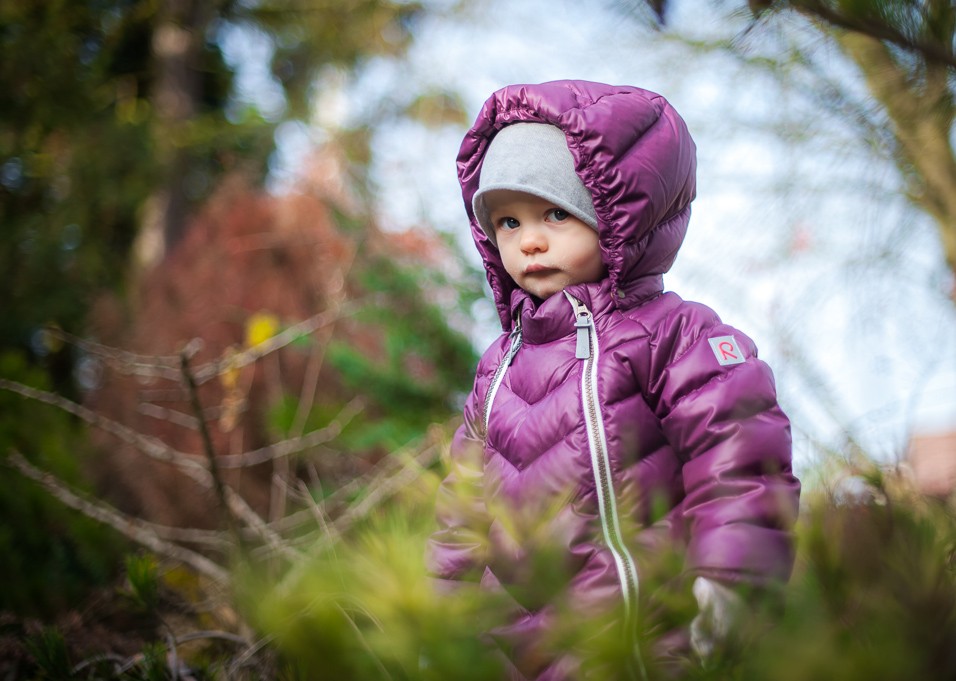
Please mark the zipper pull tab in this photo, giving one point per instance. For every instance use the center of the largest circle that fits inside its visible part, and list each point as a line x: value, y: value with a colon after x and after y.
x: 515, y: 343
x: 582, y: 322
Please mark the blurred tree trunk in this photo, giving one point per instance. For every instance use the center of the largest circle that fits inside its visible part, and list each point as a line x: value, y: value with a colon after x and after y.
x: 120, y: 119
x: 176, y: 48
x: 920, y: 106
x: 904, y: 51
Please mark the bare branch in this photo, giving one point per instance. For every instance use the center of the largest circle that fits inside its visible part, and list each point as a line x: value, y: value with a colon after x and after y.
x: 171, y: 415
x: 240, y: 509
x: 139, y: 531
x: 123, y: 361
x: 317, y: 511
x: 218, y: 485
x: 923, y: 116
x: 877, y: 29
x: 383, y: 490
x: 219, y: 635
x: 317, y: 356
x: 214, y: 539
x: 280, y: 340
x: 372, y: 480
x: 248, y: 654
x: 189, y: 465
x: 296, y: 444
x: 192, y: 466
x: 167, y: 367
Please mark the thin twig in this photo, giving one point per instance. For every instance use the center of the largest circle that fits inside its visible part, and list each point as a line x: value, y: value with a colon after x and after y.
x: 124, y: 361
x: 172, y: 655
x: 133, y: 528
x: 391, y: 464
x: 240, y: 509
x: 171, y: 415
x: 315, y: 508
x: 381, y: 492
x: 317, y: 356
x: 310, y: 382
x: 191, y: 465
x: 207, y: 445
x: 96, y: 659
x: 168, y: 367
x: 296, y: 444
x: 388, y: 466
x: 220, y: 635
x: 878, y: 29
x: 248, y: 653
x: 321, y: 519
x: 212, y: 538
x: 238, y: 360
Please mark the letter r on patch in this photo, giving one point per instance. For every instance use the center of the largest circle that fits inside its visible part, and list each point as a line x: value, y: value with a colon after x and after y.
x: 726, y: 350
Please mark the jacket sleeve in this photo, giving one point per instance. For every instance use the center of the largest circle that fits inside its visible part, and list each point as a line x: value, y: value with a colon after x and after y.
x: 456, y: 551
x: 718, y: 408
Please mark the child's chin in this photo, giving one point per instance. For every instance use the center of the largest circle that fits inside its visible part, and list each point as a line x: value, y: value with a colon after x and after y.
x: 543, y: 293
x: 543, y: 289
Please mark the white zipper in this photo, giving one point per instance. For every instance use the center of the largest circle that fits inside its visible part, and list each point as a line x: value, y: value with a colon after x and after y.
x: 587, y: 349
x: 499, y: 376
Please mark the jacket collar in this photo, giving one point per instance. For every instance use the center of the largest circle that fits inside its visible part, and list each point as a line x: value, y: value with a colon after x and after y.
x: 544, y: 321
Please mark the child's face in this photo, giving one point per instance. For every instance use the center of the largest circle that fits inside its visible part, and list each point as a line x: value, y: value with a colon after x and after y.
x: 543, y: 247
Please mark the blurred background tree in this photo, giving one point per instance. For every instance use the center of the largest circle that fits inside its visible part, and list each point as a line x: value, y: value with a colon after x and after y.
x: 119, y: 122
x: 120, y: 118
x: 903, y: 53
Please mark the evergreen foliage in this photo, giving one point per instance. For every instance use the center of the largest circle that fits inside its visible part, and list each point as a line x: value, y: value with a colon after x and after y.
x: 873, y: 597
x: 51, y: 555
x: 87, y: 147
x: 90, y: 144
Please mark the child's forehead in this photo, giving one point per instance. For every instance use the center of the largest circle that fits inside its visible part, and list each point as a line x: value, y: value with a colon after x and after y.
x: 512, y: 199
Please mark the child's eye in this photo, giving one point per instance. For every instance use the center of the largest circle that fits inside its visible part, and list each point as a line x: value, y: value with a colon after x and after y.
x: 557, y: 215
x: 508, y: 223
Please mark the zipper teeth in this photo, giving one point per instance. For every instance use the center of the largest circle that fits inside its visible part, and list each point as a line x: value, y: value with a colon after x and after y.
x: 612, y: 529
x: 492, y: 389
x: 506, y: 360
x: 607, y: 507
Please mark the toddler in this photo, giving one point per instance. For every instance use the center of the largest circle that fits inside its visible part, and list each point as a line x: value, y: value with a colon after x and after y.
x: 622, y: 418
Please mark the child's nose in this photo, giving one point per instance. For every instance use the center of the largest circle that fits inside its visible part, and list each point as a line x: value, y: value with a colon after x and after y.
x: 533, y: 239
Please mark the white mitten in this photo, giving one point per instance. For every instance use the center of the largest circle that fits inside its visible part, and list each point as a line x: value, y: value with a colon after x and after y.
x: 720, y: 608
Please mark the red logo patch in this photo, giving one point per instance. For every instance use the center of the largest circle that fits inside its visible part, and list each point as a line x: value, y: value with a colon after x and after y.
x: 726, y: 350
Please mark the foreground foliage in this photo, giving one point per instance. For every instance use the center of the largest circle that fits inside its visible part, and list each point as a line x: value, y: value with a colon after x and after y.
x: 873, y: 596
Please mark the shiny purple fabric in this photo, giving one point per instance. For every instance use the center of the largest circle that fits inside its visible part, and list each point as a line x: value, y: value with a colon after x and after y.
x: 700, y: 453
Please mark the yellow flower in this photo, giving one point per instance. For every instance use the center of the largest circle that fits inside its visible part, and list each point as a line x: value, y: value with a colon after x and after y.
x: 260, y: 327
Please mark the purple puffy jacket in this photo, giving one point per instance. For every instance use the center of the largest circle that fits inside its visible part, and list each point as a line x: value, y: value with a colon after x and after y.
x: 618, y: 416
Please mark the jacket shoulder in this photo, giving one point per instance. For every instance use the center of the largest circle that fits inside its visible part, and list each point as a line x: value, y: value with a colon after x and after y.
x: 671, y: 323
x: 682, y: 325
x: 689, y: 346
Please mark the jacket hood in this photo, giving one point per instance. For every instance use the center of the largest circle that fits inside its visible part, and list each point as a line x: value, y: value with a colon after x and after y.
x: 632, y: 151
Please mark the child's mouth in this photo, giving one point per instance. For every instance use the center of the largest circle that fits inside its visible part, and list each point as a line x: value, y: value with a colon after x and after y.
x: 537, y: 269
